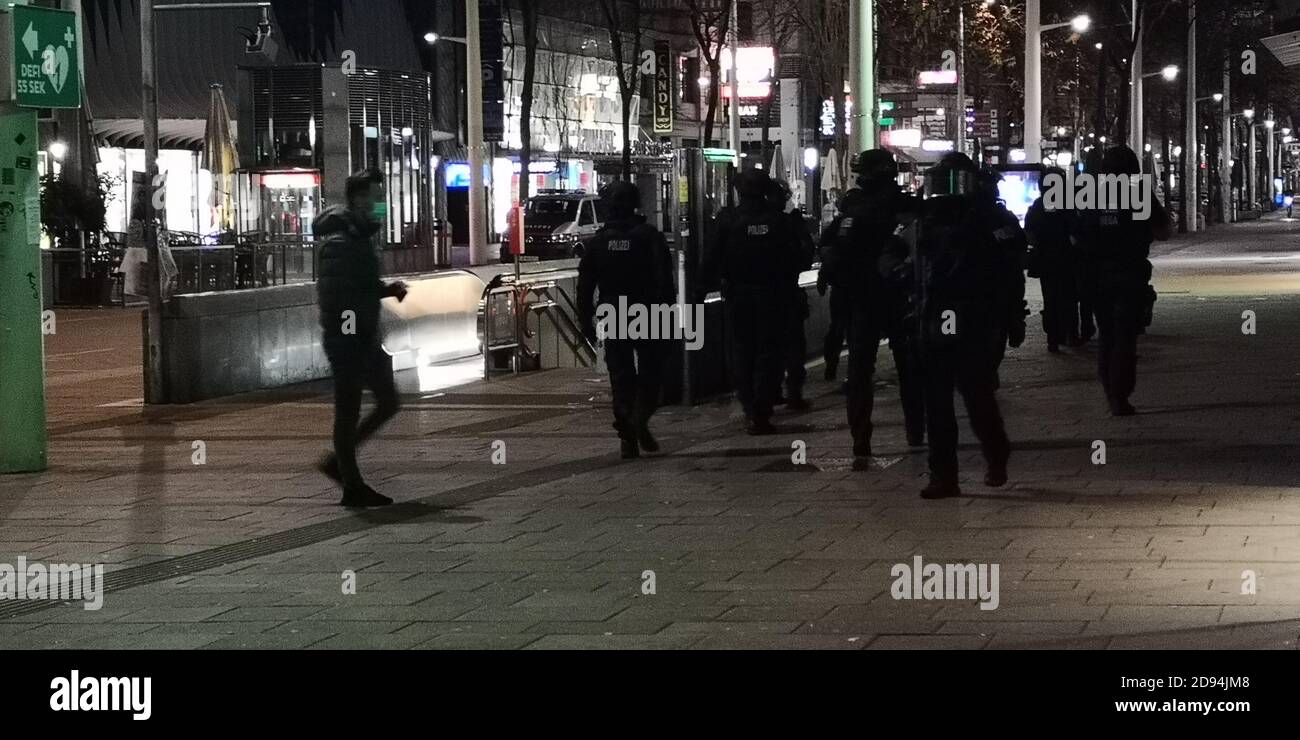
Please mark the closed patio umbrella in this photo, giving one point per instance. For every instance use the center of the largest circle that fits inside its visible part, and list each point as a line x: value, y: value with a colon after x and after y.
x: 220, y: 159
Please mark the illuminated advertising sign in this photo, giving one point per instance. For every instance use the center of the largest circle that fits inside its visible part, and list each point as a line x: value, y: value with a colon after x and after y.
x: 938, y: 77
x: 663, y: 88
x: 754, y: 68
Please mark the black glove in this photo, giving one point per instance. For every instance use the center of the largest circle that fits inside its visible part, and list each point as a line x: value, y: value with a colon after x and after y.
x: 1016, y: 334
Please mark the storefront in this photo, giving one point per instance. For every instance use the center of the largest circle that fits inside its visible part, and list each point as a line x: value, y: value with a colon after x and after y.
x: 310, y: 126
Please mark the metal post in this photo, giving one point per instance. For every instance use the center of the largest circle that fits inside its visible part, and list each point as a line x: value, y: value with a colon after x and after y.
x: 155, y: 385
x: 862, y: 74
x: 474, y: 118
x: 1250, y: 167
x: 961, y: 76
x: 22, y: 357
x: 733, y: 107
x: 1137, y: 133
x: 1033, y: 133
x: 1225, y: 145
x: 1191, y: 147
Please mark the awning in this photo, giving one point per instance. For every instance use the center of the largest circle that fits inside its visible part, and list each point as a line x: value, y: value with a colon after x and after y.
x: 173, y: 133
x: 1285, y: 46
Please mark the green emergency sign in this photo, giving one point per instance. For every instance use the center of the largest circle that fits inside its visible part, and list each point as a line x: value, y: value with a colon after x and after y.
x: 44, y: 49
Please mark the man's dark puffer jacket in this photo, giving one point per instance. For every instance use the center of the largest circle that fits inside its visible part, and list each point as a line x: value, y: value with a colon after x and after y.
x: 348, y: 274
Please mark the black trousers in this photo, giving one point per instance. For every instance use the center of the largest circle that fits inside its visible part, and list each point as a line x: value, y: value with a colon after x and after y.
x: 757, y: 321
x: 796, y: 347
x: 864, y: 327
x: 1119, y: 320
x: 635, y: 377
x: 911, y: 383
x: 840, y: 307
x: 1060, y: 306
x: 1084, y: 290
x: 974, y: 377
x: 357, y: 364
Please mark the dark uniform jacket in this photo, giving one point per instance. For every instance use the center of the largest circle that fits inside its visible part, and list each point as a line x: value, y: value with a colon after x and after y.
x: 866, y: 225
x: 970, y: 252
x: 627, y: 258
x: 752, y: 248
x: 1113, y: 248
x: 1048, y: 233
x: 348, y: 273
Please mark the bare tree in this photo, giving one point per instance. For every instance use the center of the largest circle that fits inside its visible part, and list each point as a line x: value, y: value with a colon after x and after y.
x: 623, y: 20
x: 776, y: 23
x: 826, y: 23
x: 710, y: 21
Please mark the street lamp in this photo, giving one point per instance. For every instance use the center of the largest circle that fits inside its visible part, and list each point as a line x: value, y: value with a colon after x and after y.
x: 1034, y: 29
x: 473, y: 128
x: 1169, y: 72
x: 433, y: 38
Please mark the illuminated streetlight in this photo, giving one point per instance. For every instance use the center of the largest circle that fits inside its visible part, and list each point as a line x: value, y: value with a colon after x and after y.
x: 1081, y: 23
x: 58, y: 150
x: 811, y: 158
x: 1170, y: 72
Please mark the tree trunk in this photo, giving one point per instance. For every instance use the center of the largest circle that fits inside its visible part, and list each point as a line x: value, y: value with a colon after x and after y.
x: 715, y: 94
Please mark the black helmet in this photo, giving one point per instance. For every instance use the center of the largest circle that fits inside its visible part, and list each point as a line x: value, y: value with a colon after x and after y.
x: 1120, y: 160
x: 876, y: 163
x: 958, y: 161
x: 955, y: 174
x: 621, y: 195
x: 778, y: 191
x: 752, y: 184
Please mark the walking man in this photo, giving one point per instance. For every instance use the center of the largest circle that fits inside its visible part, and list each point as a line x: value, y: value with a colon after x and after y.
x: 349, y: 290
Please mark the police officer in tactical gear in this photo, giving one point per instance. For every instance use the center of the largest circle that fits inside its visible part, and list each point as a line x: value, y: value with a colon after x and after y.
x: 750, y: 257
x: 962, y: 261
x: 628, y: 263
x: 1051, y: 260
x: 852, y: 245
x: 796, y: 342
x: 1114, y: 248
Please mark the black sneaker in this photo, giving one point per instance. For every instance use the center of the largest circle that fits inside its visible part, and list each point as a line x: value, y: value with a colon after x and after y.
x: 628, y: 449
x: 862, y: 449
x: 940, y: 489
x: 1053, y: 347
x: 995, y: 476
x: 1121, y: 407
x: 798, y: 404
x: 755, y: 426
x: 329, y: 467
x: 363, y: 496
x: 646, y: 440
x: 829, y: 373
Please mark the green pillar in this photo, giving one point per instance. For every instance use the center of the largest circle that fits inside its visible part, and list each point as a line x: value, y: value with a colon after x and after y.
x: 22, y: 353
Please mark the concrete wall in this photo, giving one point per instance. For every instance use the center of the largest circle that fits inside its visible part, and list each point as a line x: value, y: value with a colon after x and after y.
x: 233, y: 342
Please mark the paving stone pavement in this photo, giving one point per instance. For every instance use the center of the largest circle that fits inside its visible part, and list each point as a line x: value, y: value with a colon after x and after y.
x: 555, y: 548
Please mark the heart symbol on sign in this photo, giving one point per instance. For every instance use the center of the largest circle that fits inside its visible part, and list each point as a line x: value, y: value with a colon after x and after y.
x: 60, y: 76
